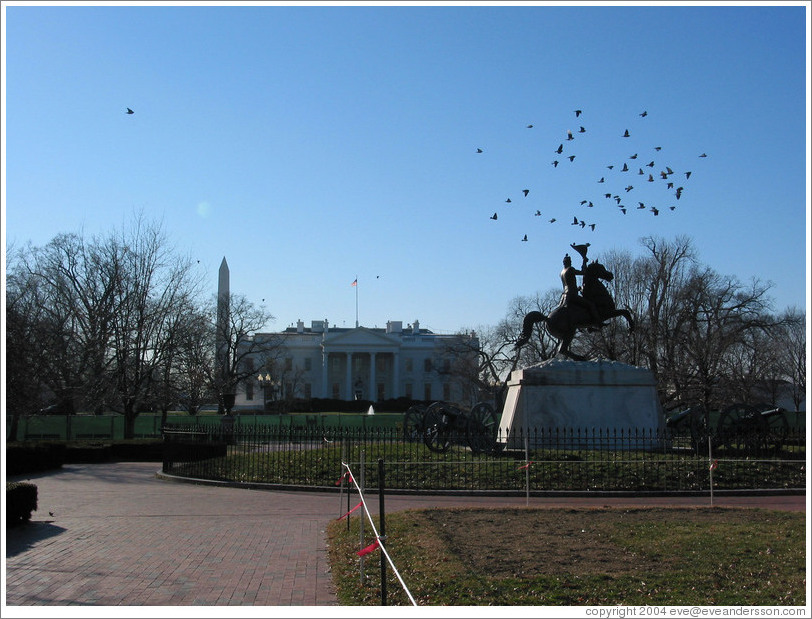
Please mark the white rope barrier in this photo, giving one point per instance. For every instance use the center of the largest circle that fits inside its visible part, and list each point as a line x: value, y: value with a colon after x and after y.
x: 378, y: 538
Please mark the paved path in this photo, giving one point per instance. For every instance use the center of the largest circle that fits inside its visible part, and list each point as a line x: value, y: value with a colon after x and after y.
x: 116, y: 535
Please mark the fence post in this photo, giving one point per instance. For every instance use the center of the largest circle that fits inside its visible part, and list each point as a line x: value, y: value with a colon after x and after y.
x: 361, y: 523
x: 382, y: 535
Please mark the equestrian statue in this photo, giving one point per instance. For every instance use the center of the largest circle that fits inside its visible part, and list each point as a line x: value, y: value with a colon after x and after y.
x: 576, y: 311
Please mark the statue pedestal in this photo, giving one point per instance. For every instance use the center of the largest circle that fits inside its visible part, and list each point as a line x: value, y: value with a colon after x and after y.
x: 573, y: 404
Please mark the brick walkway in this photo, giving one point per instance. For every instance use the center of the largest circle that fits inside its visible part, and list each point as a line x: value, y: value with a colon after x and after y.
x: 119, y: 536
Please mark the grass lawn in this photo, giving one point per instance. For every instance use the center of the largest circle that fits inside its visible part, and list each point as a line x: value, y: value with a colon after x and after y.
x: 575, y: 557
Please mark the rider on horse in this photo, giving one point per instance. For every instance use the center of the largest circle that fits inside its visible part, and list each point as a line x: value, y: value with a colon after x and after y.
x: 571, y: 296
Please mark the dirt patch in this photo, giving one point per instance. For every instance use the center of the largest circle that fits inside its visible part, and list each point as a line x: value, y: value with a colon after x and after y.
x: 528, y: 542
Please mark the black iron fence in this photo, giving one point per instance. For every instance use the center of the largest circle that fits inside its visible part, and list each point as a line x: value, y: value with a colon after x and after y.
x: 539, y: 461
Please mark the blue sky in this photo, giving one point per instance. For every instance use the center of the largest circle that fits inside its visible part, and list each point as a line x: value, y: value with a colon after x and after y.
x: 311, y: 145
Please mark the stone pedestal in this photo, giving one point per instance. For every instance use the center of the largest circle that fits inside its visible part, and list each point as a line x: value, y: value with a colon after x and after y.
x: 582, y: 404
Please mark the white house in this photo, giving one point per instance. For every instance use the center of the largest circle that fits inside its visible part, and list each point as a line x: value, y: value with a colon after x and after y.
x: 358, y: 363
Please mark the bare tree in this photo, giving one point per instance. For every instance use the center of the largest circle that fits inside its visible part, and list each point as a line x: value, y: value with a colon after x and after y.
x: 237, y: 349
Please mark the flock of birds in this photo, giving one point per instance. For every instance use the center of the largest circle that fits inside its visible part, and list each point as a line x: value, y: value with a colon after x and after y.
x: 617, y: 183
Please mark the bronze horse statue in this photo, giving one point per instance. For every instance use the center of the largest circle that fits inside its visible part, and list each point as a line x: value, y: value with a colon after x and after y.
x: 564, y: 321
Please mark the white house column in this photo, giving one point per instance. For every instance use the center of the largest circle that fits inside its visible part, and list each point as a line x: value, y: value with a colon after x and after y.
x: 349, y: 376
x: 395, y: 374
x: 373, y: 388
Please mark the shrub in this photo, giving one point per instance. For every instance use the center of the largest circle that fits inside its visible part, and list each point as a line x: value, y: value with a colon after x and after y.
x: 23, y: 458
x: 21, y: 500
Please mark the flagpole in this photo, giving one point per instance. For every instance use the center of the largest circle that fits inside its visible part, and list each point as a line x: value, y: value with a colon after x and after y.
x: 356, y: 301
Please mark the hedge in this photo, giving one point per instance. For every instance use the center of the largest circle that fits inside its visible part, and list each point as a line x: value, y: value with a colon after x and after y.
x: 21, y: 500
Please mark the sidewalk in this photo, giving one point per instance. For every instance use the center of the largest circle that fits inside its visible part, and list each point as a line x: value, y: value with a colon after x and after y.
x: 115, y: 535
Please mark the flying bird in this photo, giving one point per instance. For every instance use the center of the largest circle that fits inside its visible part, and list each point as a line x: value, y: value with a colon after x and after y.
x: 571, y: 157
x: 679, y: 192
x: 650, y: 178
x: 669, y: 170
x: 582, y: 224
x: 479, y: 150
x: 658, y: 148
x: 634, y: 156
x: 529, y: 126
x: 703, y: 155
x: 592, y: 226
x: 650, y: 164
x: 129, y: 111
x: 643, y: 114
x: 626, y: 134
x: 525, y: 192
x: 494, y: 216
x: 625, y: 168
x: 552, y: 220
x: 655, y: 211
x: 672, y: 207
x: 577, y: 113
x: 629, y: 187
x: 538, y: 213
x: 555, y: 164
x: 602, y: 180
x: 560, y: 149
x: 610, y: 167
x: 508, y: 200
x: 569, y: 135
x: 574, y: 221
x: 687, y: 175
x: 581, y: 130
x: 525, y: 238
x: 623, y: 210
x: 641, y: 205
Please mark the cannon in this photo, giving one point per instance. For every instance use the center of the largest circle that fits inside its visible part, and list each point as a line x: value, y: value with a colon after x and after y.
x: 750, y: 427
x: 440, y: 424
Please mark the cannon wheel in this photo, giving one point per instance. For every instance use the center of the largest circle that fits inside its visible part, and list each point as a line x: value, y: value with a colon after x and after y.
x: 483, y: 429
x: 743, y: 426
x: 436, y: 430
x: 413, y: 423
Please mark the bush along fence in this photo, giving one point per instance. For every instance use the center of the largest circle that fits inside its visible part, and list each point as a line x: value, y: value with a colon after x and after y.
x: 538, y: 462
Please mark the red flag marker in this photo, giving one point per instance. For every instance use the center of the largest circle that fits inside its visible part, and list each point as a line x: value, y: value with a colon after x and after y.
x: 351, y: 511
x: 346, y: 474
x: 521, y: 468
x: 372, y: 547
x: 714, y: 465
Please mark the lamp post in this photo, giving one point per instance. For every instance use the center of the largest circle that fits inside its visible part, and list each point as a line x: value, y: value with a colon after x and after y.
x: 266, y: 382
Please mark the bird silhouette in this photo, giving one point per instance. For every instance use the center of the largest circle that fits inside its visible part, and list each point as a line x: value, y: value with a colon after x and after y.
x: 640, y: 171
x: 650, y: 178
x: 625, y: 168
x: 672, y: 207
x: 529, y: 126
x: 508, y: 200
x: 555, y: 164
x: 525, y: 192
x: 703, y: 155
x: 494, y: 216
x: 552, y: 220
x: 650, y: 164
x: 687, y: 175
x: 574, y: 221
x: 607, y: 195
x: 129, y: 111
x: 658, y: 148
x: 623, y: 210
x: 602, y: 180
x: 664, y: 175
x: 569, y: 135
x: 626, y: 134
x: 582, y: 224
x: 679, y: 192
x: 525, y: 238
x: 50, y: 513
x: 571, y: 157
x: 479, y: 150
x: 577, y: 113
x: 560, y: 149
x: 629, y: 187
x: 634, y: 156
x: 592, y: 226
x: 611, y: 167
x: 583, y: 202
x: 581, y: 130
x: 669, y: 170
x: 655, y: 211
x: 641, y: 205
x: 538, y: 213
x: 644, y: 114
